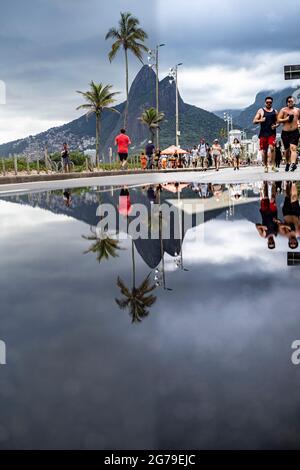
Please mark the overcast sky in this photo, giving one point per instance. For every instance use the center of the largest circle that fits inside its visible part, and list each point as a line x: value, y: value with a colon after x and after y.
x: 51, y: 48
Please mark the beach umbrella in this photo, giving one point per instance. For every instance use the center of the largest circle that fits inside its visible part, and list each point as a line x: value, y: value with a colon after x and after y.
x: 175, y: 188
x: 171, y: 150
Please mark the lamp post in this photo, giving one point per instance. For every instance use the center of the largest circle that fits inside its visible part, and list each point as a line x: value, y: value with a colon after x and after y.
x: 173, y: 77
x: 153, y: 61
x: 228, y: 120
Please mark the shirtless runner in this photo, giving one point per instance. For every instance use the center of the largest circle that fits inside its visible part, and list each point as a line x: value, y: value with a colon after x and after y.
x: 289, y: 116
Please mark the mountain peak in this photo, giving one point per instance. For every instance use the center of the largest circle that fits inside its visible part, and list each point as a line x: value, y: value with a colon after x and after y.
x: 145, y: 79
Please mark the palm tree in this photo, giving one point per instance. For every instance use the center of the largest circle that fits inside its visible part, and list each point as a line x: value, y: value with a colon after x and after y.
x: 151, y: 118
x: 103, y: 245
x: 130, y: 37
x: 98, y: 98
x: 139, y: 299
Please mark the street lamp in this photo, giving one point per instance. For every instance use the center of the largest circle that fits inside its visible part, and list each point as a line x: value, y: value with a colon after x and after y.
x: 153, y: 57
x: 228, y: 120
x: 173, y: 78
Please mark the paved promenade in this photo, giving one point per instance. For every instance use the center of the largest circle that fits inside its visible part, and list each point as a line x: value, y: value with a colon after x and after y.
x: 226, y: 175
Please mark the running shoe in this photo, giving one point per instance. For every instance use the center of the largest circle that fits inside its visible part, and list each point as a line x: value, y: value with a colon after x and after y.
x: 293, y: 166
x: 287, y: 167
x: 275, y: 169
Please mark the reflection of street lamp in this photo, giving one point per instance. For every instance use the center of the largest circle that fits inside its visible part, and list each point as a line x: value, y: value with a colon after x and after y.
x: 178, y: 258
x: 159, y: 277
x: 153, y: 61
x: 173, y: 77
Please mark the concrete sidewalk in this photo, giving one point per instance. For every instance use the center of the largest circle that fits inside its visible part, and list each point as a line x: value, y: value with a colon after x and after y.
x: 226, y: 175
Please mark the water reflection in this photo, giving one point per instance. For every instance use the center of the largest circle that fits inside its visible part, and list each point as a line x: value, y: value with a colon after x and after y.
x: 104, y: 246
x: 213, y: 353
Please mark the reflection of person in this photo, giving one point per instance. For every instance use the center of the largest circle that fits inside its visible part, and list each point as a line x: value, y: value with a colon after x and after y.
x: 65, y: 158
x: 124, y: 201
x: 67, y: 197
x: 151, y: 195
x: 122, y: 141
x: 290, y: 228
x: 269, y: 227
x: 217, y: 191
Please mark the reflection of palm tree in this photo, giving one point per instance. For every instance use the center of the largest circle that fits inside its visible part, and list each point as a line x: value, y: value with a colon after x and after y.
x: 104, y: 246
x: 139, y: 299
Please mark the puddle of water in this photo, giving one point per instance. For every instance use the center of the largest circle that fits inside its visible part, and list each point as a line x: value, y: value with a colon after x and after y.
x: 179, y: 341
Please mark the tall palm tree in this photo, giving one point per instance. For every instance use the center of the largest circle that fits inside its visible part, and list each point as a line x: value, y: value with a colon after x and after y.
x: 130, y: 37
x: 139, y: 299
x: 104, y: 246
x: 98, y: 98
x: 151, y: 118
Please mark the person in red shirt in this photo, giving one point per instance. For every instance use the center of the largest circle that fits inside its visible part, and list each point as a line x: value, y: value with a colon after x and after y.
x: 122, y: 141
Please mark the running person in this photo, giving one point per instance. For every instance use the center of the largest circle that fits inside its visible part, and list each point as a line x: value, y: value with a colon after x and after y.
x: 290, y: 117
x: 216, y: 151
x: 267, y: 118
x: 122, y: 141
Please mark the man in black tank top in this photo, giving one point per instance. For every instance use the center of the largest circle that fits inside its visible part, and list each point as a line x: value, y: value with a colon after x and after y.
x: 267, y: 118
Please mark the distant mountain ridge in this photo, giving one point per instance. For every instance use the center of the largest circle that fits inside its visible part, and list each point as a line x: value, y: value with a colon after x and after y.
x: 80, y: 133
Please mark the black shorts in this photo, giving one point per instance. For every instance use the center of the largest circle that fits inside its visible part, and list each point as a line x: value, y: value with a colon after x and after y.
x: 290, y: 137
x: 123, y: 156
x: 291, y: 208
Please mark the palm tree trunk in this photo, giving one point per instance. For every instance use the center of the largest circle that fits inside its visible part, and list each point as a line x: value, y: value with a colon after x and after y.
x: 127, y: 90
x: 133, y: 263
x: 97, y: 140
x: 151, y: 134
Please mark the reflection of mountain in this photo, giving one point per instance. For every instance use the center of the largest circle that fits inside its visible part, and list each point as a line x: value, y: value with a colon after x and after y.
x: 84, y: 207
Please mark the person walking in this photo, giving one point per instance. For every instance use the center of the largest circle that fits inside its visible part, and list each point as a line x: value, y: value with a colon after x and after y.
x: 216, y: 151
x: 194, y: 155
x: 123, y: 141
x: 267, y: 118
x: 278, y: 153
x: 65, y: 158
x: 289, y: 116
x: 149, y: 151
x: 202, y: 151
x: 236, y: 151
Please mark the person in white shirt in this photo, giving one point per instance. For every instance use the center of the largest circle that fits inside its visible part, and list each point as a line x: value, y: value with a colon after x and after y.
x: 236, y: 151
x: 216, y: 151
x: 194, y: 156
x: 202, y: 150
